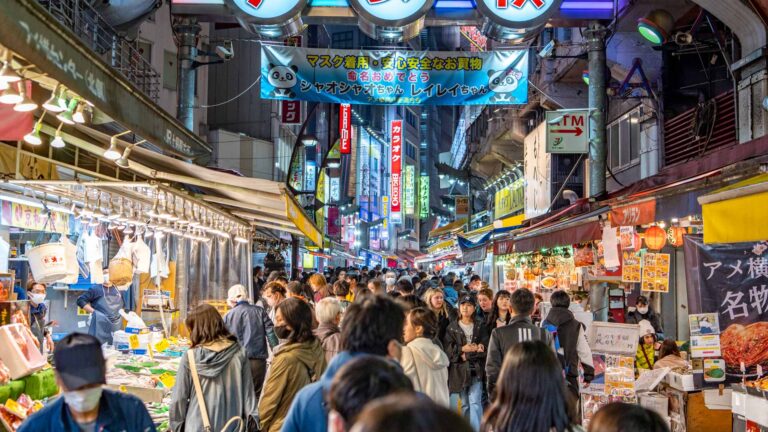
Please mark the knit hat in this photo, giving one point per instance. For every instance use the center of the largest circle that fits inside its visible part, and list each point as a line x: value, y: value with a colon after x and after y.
x: 646, y: 328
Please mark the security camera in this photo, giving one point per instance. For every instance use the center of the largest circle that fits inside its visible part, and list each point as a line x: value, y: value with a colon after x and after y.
x: 225, y: 51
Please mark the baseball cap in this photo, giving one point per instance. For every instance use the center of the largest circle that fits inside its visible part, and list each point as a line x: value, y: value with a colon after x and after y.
x: 642, y: 300
x: 79, y: 361
x: 467, y: 299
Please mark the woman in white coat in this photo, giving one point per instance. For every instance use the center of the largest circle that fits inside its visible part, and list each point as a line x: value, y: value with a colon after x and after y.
x: 423, y: 361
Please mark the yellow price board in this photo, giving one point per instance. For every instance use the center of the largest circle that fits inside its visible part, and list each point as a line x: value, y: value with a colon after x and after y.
x: 167, y: 379
x: 133, y: 341
x: 162, y: 345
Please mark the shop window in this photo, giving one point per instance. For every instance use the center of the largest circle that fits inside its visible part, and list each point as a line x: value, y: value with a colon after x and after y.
x: 343, y: 40
x: 624, y: 141
x: 170, y: 70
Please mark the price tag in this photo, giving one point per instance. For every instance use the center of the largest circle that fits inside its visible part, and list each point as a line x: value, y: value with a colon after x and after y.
x: 16, y: 409
x: 133, y: 341
x: 167, y: 379
x: 162, y: 345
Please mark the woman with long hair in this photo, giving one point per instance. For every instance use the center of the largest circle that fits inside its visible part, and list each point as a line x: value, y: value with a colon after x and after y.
x: 298, y: 361
x: 501, y: 313
x: 435, y: 300
x: 423, y: 361
x: 530, y: 393
x: 224, y: 373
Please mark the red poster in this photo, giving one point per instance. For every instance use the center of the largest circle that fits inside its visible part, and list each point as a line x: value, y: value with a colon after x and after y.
x: 333, y: 228
x: 397, y: 153
x: 291, y: 112
x: 634, y: 214
x: 345, y: 128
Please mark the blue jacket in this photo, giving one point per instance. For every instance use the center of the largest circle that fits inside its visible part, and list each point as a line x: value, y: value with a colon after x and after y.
x: 308, y: 411
x: 252, y: 327
x: 118, y: 412
x: 451, y: 296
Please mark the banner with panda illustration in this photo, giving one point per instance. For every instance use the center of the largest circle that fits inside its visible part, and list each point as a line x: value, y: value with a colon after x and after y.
x: 378, y: 77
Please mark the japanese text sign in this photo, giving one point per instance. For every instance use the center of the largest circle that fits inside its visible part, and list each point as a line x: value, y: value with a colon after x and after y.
x: 34, y: 218
x: 291, y: 112
x: 634, y: 214
x: 462, y: 206
x: 518, y: 13
x: 612, y: 338
x: 345, y: 128
x: 409, y: 189
x: 379, y: 77
x: 568, y: 131
x: 391, y: 12
x: 396, y: 135
x: 424, y: 196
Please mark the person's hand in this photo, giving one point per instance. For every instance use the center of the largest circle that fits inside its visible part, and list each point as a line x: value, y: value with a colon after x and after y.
x: 657, y: 346
x: 469, y: 348
x: 54, y: 323
x: 480, y: 348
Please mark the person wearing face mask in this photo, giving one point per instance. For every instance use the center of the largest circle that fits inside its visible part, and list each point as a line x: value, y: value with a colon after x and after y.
x: 643, y: 311
x: 108, y: 302
x: 84, y: 405
x: 390, y: 280
x: 37, y: 314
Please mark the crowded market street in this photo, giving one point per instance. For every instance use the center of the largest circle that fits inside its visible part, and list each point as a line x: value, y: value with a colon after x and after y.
x: 384, y: 215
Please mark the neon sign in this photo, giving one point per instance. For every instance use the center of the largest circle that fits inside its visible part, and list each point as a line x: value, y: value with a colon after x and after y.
x: 518, y: 14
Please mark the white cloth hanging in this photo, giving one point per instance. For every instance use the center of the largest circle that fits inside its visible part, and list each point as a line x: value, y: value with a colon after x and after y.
x: 141, y: 256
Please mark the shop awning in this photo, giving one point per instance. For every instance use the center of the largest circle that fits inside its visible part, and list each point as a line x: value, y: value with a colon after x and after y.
x: 576, y: 229
x: 737, y: 213
x: 451, y: 228
x: 508, y: 222
x: 445, y: 244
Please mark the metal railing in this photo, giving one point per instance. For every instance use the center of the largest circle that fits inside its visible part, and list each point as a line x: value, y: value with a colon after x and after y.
x: 120, y: 53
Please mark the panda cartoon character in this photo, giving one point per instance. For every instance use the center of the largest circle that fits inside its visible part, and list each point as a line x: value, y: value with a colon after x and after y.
x: 502, y: 83
x: 283, y: 79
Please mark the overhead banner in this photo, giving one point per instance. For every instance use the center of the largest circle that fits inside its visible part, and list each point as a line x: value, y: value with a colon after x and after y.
x: 396, y: 134
x: 379, y: 77
x: 409, y: 189
x: 345, y: 128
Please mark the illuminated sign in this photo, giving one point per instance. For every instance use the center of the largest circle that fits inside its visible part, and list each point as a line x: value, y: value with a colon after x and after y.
x: 335, y: 186
x: 384, y: 206
x: 269, y: 11
x: 510, y: 199
x: 391, y: 20
x: 424, y: 196
x: 345, y: 128
x: 518, y: 14
x: 396, y: 135
x: 409, y: 189
x: 310, y: 170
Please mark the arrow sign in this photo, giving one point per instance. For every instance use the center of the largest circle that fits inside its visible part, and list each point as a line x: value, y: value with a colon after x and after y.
x: 578, y: 131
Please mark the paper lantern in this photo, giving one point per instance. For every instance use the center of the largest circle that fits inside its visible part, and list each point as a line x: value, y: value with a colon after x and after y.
x: 655, y: 238
x: 676, y: 236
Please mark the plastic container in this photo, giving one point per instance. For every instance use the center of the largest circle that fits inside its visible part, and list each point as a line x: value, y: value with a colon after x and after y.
x: 48, y: 262
x: 19, y: 352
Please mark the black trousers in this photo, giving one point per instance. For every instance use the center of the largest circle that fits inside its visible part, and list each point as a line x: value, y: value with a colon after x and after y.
x: 258, y: 372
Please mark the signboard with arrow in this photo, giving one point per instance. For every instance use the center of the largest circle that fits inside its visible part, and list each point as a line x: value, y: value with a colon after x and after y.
x: 568, y: 131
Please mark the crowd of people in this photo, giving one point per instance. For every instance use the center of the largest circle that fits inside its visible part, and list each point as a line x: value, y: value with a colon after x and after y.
x: 360, y: 350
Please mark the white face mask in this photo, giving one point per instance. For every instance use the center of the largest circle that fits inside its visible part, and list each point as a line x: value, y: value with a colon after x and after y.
x: 83, y: 400
x: 37, y: 298
x: 391, y: 281
x: 642, y: 309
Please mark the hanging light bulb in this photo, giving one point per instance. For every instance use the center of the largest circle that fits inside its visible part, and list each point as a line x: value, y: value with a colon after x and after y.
x: 66, y: 116
x: 34, y: 136
x: 58, y: 141
x: 11, y: 95
x: 26, y: 104
x: 7, y: 74
x: 55, y: 103
x: 112, y: 152
x: 79, y: 115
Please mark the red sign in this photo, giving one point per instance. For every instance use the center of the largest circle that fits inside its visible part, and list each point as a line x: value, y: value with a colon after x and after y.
x: 634, y: 214
x: 291, y: 111
x: 397, y: 153
x: 503, y: 4
x: 345, y: 128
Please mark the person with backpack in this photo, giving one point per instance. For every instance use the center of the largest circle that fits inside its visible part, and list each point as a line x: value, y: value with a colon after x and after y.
x: 519, y: 329
x: 570, y: 341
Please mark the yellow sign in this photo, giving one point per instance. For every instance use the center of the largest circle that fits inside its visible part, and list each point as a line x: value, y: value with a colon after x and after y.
x: 133, y: 341
x: 167, y: 379
x: 296, y: 215
x: 162, y: 345
x: 511, y: 199
x: 462, y: 206
x: 34, y: 218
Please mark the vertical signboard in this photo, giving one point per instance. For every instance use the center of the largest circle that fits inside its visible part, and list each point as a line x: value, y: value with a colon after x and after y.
x: 409, y: 189
x: 424, y: 196
x: 291, y: 112
x: 333, y: 222
x: 345, y: 128
x: 396, y: 134
x: 310, y: 171
x: 335, y: 192
x: 462, y: 206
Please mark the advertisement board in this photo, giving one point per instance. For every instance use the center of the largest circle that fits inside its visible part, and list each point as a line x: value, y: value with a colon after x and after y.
x: 345, y: 128
x: 423, y: 196
x: 396, y: 135
x: 509, y: 199
x: 409, y: 189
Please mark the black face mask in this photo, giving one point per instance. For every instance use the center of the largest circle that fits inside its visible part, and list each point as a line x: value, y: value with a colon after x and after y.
x: 282, y: 332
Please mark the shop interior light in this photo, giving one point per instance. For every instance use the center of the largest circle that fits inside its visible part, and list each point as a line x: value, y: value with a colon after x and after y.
x: 7, y: 74
x: 656, y: 26
x: 11, y: 95
x: 56, y: 102
x: 309, y: 140
x: 33, y: 137
x: 123, y: 162
x: 112, y: 152
x: 25, y: 104
x: 79, y: 115
x: 333, y: 163
x: 66, y: 115
x: 58, y: 141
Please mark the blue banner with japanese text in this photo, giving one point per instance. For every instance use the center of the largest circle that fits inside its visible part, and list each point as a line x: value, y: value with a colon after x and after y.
x: 386, y: 77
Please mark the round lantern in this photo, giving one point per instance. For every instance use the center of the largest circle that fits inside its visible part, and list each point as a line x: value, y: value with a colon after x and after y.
x: 655, y: 238
x: 676, y: 236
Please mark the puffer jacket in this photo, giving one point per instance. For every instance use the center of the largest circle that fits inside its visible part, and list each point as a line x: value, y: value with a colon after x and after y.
x: 461, y: 372
x: 330, y: 338
x: 294, y: 366
x: 426, y: 365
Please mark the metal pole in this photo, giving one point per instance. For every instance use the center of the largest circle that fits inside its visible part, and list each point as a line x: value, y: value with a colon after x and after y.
x: 187, y: 30
x: 597, y: 103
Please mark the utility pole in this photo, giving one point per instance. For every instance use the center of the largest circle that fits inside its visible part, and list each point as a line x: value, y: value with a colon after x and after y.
x: 597, y: 104
x: 187, y: 30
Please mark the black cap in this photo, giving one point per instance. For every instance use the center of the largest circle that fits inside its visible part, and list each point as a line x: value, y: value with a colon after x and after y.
x: 467, y: 299
x: 642, y: 300
x: 79, y: 361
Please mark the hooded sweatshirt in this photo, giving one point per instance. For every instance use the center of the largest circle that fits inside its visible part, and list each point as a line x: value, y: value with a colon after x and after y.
x: 225, y: 378
x: 426, y: 364
x: 294, y: 366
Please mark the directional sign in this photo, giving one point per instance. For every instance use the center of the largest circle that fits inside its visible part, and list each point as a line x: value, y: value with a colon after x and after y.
x: 568, y: 131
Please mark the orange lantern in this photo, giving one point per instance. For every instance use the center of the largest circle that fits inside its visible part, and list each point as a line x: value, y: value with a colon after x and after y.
x: 655, y: 238
x: 676, y: 236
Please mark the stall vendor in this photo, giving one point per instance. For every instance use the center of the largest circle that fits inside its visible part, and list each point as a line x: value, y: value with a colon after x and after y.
x: 37, y: 314
x: 643, y: 311
x: 107, y: 302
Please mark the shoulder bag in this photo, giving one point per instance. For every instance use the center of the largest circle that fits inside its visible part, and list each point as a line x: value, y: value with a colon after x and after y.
x: 201, y: 399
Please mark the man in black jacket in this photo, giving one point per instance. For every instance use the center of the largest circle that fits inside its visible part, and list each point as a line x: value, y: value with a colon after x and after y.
x: 573, y: 349
x: 519, y: 329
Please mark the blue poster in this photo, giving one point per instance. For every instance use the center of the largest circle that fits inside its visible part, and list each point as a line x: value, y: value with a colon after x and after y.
x: 381, y: 77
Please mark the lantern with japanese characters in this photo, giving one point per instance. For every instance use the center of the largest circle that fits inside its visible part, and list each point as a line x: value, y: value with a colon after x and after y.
x: 655, y: 238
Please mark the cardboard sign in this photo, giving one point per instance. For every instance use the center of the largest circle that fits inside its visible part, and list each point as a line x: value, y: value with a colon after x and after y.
x: 613, y: 338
